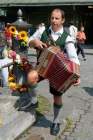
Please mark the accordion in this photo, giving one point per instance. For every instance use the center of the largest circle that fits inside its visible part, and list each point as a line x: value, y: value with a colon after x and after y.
x: 54, y: 65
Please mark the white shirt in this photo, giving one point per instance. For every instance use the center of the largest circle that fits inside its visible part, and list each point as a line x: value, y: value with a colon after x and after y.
x: 69, y: 44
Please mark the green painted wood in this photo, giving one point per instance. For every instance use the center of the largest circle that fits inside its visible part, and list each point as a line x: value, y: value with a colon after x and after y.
x: 10, y: 3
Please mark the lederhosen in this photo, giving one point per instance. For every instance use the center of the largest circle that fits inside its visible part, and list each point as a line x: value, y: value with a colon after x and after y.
x: 59, y: 42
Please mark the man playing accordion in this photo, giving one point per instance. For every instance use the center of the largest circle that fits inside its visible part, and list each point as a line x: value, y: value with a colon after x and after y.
x: 55, y: 35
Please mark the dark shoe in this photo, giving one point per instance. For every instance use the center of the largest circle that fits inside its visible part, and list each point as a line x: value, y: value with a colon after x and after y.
x: 55, y: 128
x: 28, y: 106
x: 84, y: 59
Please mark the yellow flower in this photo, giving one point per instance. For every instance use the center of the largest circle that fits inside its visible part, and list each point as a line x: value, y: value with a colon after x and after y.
x: 11, y: 76
x: 10, y: 79
x: 22, y: 35
x: 12, y: 85
x: 12, y: 30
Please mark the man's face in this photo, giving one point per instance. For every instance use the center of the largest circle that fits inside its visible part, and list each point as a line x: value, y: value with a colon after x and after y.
x: 56, y: 20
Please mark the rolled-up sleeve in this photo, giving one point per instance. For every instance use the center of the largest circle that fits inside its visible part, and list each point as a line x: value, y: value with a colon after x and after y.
x: 37, y: 34
x: 71, y: 51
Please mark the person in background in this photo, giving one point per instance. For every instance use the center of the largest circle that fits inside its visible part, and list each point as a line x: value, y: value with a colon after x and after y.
x: 8, y: 35
x: 3, y: 58
x: 73, y: 32
x: 39, y: 41
x: 81, y: 38
x: 4, y: 71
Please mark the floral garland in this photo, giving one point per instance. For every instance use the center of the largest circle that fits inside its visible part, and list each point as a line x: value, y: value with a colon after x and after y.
x: 23, y: 64
x: 20, y: 36
x: 15, y: 86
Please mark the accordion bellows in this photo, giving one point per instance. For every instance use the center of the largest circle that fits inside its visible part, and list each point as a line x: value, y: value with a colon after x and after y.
x: 58, y: 69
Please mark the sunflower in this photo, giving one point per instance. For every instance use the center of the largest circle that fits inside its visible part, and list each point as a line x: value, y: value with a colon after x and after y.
x: 12, y: 30
x: 12, y: 85
x: 22, y: 35
x: 11, y: 79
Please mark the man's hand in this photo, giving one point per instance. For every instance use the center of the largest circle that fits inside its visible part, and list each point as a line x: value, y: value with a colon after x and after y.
x: 38, y: 44
x: 77, y: 82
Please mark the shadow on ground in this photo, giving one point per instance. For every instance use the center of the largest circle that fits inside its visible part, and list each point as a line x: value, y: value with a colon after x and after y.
x: 88, y: 53
x: 42, y: 121
x: 87, y: 46
x: 42, y: 110
x: 89, y: 90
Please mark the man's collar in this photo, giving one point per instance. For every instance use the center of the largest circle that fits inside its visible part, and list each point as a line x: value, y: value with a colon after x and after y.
x: 58, y: 32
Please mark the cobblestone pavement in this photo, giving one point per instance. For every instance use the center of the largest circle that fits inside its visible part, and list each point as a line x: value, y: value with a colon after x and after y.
x: 83, y: 128
x: 77, y: 117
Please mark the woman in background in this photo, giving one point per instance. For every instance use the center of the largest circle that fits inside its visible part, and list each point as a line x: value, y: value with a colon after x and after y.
x: 81, y: 37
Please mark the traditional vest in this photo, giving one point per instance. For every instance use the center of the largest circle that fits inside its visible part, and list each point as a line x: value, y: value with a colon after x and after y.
x: 59, y: 42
